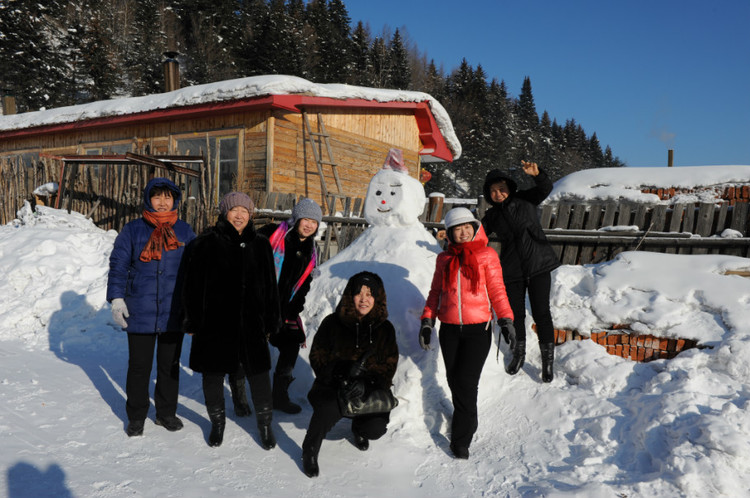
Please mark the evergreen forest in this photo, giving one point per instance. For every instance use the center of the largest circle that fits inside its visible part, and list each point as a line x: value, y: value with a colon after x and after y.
x: 57, y: 53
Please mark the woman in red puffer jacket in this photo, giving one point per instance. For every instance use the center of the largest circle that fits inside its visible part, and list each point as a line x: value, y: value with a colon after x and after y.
x: 466, y: 287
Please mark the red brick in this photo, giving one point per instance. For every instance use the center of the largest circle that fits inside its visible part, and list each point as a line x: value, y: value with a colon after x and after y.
x: 633, y: 340
x: 745, y: 192
x: 611, y: 350
x: 641, y: 354
x: 618, y: 350
x: 625, y: 351
x: 602, y: 340
x: 647, y: 342
x: 612, y: 339
x: 730, y: 193
x: 671, y: 192
x: 663, y: 344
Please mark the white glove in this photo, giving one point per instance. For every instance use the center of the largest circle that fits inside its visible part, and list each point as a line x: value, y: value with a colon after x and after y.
x: 120, y: 312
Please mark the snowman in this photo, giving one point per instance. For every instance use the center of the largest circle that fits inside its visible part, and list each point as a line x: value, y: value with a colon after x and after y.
x: 396, y: 246
x: 393, y: 197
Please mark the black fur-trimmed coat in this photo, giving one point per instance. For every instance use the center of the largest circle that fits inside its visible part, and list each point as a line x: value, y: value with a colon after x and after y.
x: 231, y: 300
x: 342, y: 339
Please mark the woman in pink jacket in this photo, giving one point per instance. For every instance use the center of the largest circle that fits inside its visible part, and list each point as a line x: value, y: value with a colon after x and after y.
x: 466, y: 287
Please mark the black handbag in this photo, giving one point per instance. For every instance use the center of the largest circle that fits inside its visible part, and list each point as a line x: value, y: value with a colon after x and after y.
x: 376, y: 401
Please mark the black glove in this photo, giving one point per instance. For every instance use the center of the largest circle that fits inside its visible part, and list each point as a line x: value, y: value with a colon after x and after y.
x: 508, y: 331
x: 425, y: 333
x: 353, y: 389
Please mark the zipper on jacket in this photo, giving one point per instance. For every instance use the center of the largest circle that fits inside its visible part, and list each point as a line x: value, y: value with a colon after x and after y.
x: 458, y: 287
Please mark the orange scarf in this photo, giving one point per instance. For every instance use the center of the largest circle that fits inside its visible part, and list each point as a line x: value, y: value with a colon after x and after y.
x: 463, y: 257
x: 163, y: 237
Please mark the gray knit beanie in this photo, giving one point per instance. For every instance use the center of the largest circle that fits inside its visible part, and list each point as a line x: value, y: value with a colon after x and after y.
x: 306, y: 208
x: 234, y: 199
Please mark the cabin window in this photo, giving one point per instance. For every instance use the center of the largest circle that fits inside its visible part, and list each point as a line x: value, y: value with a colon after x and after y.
x: 223, y: 154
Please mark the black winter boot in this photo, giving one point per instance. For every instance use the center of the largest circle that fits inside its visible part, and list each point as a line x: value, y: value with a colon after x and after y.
x: 519, y: 356
x: 239, y: 397
x: 281, y: 394
x: 217, y: 416
x: 260, y: 391
x: 310, y: 464
x: 548, y: 358
x: 361, y: 442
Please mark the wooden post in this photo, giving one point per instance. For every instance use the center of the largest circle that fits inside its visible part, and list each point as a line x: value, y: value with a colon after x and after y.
x: 270, y: 146
x: 670, y: 158
x: 171, y: 72
x: 435, y: 207
x: 9, y: 105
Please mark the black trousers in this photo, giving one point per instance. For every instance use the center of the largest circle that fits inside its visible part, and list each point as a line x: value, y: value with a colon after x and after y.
x: 260, y: 392
x: 326, y: 414
x: 465, y: 349
x: 539, y: 289
x: 140, y: 359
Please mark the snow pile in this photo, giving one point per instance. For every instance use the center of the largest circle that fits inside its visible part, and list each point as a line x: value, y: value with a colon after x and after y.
x: 626, y: 183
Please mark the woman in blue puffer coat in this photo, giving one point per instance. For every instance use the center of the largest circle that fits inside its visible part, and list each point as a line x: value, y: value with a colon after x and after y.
x: 143, y: 273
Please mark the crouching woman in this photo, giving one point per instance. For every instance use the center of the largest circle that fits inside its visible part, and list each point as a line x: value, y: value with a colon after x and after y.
x: 354, y: 356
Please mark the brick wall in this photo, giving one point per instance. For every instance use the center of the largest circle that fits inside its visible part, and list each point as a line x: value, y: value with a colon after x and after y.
x: 619, y: 340
x: 729, y: 193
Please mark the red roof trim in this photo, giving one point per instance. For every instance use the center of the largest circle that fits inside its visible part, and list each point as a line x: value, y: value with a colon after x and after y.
x: 429, y: 133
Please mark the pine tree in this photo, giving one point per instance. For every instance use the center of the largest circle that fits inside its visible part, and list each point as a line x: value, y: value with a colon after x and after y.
x: 339, y: 56
x: 211, y: 31
x: 361, y: 63
x: 400, y: 72
x: 252, y: 16
x: 30, y: 67
x: 145, y: 52
x: 380, y: 58
x: 528, y: 121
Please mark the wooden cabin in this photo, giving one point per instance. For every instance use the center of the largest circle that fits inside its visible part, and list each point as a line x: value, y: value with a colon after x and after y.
x: 265, y: 134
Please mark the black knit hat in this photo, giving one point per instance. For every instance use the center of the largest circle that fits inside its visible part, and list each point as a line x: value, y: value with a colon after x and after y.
x: 371, y: 280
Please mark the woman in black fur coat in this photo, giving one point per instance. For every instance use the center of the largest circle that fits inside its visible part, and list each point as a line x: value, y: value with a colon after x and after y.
x: 358, y: 326
x: 232, y: 308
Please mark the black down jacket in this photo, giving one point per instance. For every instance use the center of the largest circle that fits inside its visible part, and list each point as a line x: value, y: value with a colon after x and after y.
x: 524, y: 249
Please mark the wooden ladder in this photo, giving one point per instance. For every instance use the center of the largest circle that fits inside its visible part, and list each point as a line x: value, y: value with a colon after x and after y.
x: 316, y: 139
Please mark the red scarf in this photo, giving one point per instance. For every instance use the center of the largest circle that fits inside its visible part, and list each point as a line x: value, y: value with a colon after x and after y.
x: 163, y: 237
x: 464, y: 257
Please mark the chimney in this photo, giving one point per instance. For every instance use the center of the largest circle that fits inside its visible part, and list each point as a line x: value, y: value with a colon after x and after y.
x: 171, y: 71
x: 670, y: 157
x: 9, y: 102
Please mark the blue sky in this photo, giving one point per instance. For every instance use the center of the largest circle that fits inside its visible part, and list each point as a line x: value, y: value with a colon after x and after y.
x: 646, y: 76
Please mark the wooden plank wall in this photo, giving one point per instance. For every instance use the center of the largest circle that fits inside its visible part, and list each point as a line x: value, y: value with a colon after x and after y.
x: 574, y: 229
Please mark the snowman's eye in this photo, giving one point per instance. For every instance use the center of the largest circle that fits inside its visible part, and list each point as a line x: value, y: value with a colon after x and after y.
x: 378, y: 193
x: 393, y: 192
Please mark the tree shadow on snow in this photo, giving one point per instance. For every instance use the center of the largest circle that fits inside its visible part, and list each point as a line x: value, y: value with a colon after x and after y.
x: 26, y: 481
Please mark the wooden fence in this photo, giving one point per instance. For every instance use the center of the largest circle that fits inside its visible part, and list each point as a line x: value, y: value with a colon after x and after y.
x: 580, y: 233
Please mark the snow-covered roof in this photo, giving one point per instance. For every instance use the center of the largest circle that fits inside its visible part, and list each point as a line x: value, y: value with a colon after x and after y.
x: 627, y: 183
x: 223, y: 91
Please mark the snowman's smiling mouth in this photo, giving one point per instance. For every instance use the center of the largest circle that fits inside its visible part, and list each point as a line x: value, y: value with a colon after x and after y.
x: 384, y: 210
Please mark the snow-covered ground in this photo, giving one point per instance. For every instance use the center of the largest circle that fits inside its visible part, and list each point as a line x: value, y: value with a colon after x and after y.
x: 605, y: 427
